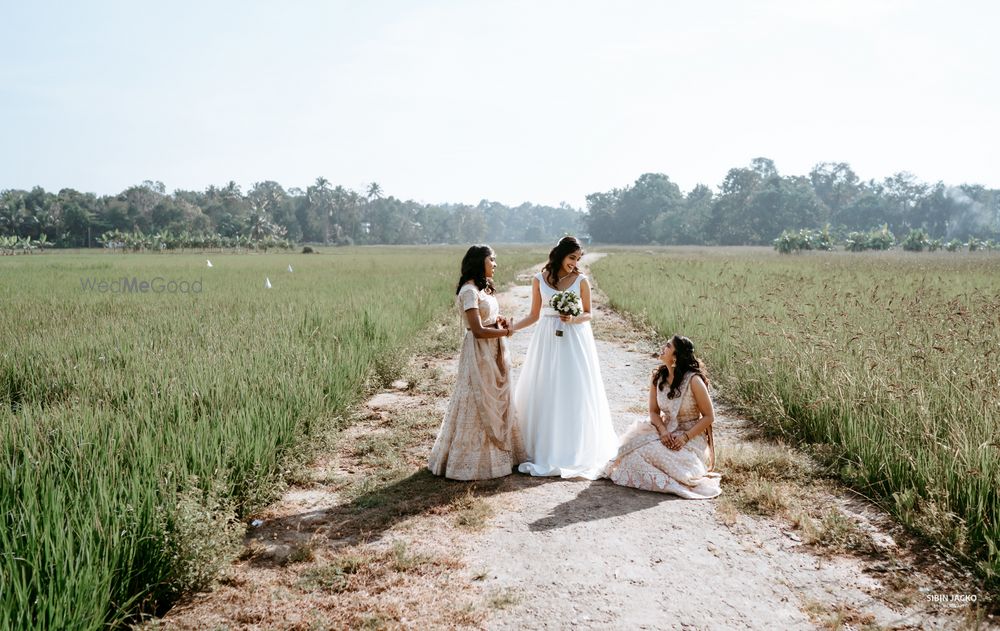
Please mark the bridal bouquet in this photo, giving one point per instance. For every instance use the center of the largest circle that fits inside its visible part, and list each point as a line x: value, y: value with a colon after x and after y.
x: 565, y: 303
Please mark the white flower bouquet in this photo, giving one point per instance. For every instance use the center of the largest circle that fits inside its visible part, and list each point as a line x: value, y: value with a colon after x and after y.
x: 565, y: 303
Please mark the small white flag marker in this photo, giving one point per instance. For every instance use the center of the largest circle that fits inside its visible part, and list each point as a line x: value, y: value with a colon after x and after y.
x: 267, y: 283
x: 290, y: 269
x: 209, y: 263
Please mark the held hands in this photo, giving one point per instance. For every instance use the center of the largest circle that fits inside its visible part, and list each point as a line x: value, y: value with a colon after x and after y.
x: 507, y: 326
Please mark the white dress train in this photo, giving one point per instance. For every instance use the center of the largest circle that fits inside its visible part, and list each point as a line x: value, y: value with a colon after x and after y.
x: 561, y: 408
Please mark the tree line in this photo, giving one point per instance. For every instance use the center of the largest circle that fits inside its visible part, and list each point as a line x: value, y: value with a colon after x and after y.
x: 266, y: 214
x: 754, y: 205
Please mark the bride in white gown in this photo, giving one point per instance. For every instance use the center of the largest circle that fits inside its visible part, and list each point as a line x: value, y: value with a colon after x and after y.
x: 561, y: 408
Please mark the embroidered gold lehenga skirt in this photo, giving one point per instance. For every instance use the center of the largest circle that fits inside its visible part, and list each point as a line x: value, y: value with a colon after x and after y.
x: 478, y: 439
x: 643, y: 462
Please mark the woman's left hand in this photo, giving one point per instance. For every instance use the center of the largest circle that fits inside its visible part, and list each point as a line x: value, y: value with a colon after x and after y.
x: 567, y: 318
x: 676, y: 441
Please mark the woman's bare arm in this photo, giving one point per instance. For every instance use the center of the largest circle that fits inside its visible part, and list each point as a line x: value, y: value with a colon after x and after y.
x: 585, y: 300
x: 655, y: 419
x: 704, y: 403
x: 476, y: 326
x: 536, y: 308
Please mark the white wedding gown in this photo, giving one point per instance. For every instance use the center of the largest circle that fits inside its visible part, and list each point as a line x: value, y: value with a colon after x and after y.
x: 562, y: 411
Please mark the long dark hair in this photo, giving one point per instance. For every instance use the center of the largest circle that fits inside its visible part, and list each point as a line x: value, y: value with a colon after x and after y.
x: 474, y: 268
x: 685, y: 362
x: 565, y: 247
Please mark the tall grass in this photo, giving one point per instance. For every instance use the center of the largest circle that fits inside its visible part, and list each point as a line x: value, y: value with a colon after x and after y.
x: 136, y: 430
x: 887, y: 362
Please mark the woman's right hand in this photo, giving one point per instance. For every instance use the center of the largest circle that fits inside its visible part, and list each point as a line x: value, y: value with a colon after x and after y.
x: 674, y: 441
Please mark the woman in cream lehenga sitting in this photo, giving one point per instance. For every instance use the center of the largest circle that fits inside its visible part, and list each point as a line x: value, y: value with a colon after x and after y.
x: 674, y: 452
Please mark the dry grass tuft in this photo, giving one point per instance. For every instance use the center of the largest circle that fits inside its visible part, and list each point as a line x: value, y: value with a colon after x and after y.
x: 835, y: 533
x: 772, y: 479
x: 838, y: 616
x: 471, y: 512
x: 365, y: 587
x: 503, y: 599
x: 761, y: 479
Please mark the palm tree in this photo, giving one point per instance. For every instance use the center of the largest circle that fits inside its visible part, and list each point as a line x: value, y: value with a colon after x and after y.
x: 257, y: 224
x: 319, y: 197
x: 231, y: 190
x: 374, y: 191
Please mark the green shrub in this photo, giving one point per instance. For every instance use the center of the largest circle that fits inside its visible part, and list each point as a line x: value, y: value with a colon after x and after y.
x: 881, y: 239
x: 916, y: 241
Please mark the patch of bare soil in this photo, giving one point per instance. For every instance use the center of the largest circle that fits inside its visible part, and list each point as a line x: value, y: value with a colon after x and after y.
x: 371, y: 540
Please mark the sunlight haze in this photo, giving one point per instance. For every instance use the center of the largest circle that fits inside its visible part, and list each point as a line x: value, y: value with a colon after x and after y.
x: 509, y: 101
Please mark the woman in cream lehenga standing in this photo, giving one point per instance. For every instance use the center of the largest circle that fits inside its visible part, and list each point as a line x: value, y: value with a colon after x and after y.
x: 477, y: 439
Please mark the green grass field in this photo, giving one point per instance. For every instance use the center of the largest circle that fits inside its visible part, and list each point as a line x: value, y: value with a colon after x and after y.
x: 885, y: 364
x: 138, y: 429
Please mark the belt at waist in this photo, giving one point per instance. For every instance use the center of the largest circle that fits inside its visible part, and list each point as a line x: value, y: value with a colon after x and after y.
x: 492, y: 325
x: 686, y: 425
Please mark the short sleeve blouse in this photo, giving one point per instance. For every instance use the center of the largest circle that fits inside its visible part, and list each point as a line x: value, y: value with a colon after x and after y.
x: 469, y: 297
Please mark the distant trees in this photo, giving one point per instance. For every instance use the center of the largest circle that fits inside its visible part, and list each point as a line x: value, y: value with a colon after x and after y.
x: 755, y: 205
x: 268, y: 214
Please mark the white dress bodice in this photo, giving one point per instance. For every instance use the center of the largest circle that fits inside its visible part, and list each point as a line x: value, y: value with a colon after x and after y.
x: 547, y: 293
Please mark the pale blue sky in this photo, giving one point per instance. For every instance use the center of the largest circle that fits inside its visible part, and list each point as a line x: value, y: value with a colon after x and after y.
x: 511, y: 101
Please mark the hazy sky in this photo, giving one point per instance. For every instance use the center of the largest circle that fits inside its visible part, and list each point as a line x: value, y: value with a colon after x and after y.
x: 510, y: 101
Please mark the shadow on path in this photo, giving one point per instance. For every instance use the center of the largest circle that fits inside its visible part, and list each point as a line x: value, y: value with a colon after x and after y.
x: 600, y: 500
x: 371, y: 513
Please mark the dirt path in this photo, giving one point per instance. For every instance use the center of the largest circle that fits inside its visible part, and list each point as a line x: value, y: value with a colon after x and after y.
x: 533, y: 553
x: 593, y: 555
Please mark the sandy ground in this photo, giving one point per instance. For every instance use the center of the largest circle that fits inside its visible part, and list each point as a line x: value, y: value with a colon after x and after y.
x: 568, y: 554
